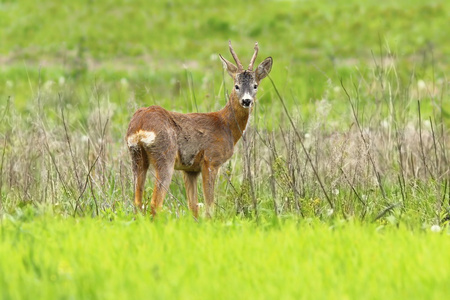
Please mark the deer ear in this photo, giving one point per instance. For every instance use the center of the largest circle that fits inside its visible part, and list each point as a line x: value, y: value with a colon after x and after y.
x: 264, y: 68
x: 230, y: 67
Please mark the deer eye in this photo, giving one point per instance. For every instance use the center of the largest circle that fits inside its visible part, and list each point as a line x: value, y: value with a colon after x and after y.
x: 236, y: 87
x: 255, y: 86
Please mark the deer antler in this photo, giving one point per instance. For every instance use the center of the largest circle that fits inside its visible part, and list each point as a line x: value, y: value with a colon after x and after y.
x: 250, y: 66
x: 236, y: 59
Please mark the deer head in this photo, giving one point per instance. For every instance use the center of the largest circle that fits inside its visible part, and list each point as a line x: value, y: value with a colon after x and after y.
x: 246, y: 81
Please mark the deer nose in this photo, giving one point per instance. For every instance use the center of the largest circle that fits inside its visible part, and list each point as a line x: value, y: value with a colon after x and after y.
x: 246, y: 102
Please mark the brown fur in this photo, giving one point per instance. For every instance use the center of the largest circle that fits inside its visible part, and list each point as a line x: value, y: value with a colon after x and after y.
x: 193, y: 143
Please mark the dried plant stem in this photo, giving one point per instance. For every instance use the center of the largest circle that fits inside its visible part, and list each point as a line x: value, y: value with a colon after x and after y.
x: 366, y: 144
x: 422, y: 151
x: 1, y: 175
x: 72, y: 155
x: 302, y: 144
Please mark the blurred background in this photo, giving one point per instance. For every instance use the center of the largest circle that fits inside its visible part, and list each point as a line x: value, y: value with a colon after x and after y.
x: 149, y: 46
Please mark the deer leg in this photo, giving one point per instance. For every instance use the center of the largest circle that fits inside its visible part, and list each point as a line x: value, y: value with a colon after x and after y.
x: 190, y: 181
x: 163, y: 177
x: 139, y: 188
x: 140, y: 166
x: 209, y: 174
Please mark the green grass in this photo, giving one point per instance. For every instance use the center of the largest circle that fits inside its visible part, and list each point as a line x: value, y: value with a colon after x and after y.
x: 365, y: 83
x: 54, y: 258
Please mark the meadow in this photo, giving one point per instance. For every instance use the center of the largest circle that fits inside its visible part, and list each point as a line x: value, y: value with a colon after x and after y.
x: 340, y: 187
x: 84, y: 258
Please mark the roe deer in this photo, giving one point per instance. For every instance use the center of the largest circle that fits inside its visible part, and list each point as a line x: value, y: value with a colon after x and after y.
x: 195, y: 142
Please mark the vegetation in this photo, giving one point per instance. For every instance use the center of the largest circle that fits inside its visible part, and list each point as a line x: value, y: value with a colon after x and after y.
x: 96, y: 259
x: 340, y: 188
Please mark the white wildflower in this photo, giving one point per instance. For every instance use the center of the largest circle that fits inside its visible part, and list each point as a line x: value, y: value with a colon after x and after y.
x: 84, y: 138
x: 421, y: 85
x: 385, y: 123
x: 48, y: 85
x: 435, y: 228
x: 124, y: 82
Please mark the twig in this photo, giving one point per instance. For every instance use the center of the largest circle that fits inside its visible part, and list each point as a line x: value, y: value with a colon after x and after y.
x: 422, y: 152
x: 377, y: 174
x: 308, y: 157
x: 1, y: 177
x: 90, y: 179
x: 385, y: 211
x: 69, y: 144
x: 52, y: 158
x: 88, y: 175
x: 353, y: 188
x: 437, y: 171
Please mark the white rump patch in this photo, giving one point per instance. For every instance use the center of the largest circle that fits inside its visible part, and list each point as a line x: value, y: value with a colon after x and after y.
x: 142, y: 136
x: 148, y: 137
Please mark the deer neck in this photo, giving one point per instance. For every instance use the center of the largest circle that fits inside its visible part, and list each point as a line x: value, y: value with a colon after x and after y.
x: 235, y: 116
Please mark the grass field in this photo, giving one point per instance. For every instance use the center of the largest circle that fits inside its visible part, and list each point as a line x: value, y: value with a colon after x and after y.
x: 340, y: 188
x: 51, y: 258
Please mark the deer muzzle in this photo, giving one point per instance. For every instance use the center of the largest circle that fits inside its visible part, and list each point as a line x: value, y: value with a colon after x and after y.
x: 246, y: 100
